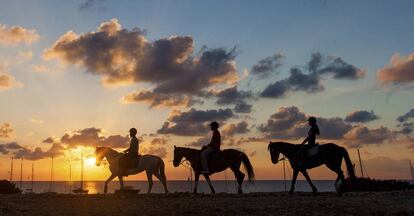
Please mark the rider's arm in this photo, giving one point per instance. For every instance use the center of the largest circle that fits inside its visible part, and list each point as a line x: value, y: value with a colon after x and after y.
x: 304, y: 141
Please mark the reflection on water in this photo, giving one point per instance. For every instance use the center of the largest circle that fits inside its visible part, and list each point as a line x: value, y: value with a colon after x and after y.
x: 95, y: 187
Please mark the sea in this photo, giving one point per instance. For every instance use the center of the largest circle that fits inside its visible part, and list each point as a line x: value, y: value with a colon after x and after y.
x: 221, y: 186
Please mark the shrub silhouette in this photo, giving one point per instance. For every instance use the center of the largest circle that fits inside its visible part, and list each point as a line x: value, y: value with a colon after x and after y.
x: 7, y: 187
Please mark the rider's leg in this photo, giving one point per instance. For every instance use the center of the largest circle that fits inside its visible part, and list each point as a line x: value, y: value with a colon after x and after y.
x: 204, y: 162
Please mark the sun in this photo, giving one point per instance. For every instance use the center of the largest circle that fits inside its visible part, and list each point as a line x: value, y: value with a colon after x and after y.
x: 90, y: 161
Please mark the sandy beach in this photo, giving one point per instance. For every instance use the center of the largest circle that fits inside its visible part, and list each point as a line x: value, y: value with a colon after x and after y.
x: 383, y: 203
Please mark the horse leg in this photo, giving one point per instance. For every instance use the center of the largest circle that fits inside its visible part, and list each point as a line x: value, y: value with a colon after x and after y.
x: 304, y: 173
x: 149, y: 177
x: 162, y: 179
x: 209, y: 183
x: 121, y: 182
x: 107, y: 182
x: 196, y: 178
x: 240, y: 177
x: 341, y: 178
x: 295, y: 175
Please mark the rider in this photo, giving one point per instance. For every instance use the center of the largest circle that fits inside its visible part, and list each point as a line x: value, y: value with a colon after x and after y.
x: 213, y: 146
x: 131, y: 154
x: 312, y: 133
x: 310, y: 139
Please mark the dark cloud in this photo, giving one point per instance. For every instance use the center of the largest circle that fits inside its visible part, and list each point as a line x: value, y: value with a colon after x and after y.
x: 264, y: 67
x: 160, y: 100
x: 124, y: 56
x: 93, y: 137
x: 234, y: 96
x: 297, y: 81
x: 406, y: 116
x: 19, y: 151
x: 199, y: 142
x: 310, y: 81
x: 49, y: 140
x: 406, y: 127
x: 6, y: 131
x: 238, y: 128
x: 362, y: 135
x: 290, y: 123
x: 193, y: 122
x: 399, y: 71
x: 7, y: 147
x: 361, y: 116
x: 93, y: 5
x: 243, y: 108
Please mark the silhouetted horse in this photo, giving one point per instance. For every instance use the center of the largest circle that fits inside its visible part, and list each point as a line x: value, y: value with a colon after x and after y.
x: 329, y: 154
x: 219, y: 161
x: 153, y: 165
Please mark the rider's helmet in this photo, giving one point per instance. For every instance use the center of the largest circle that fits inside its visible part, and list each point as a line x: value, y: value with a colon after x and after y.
x: 214, y: 124
x: 133, y: 130
x: 312, y: 119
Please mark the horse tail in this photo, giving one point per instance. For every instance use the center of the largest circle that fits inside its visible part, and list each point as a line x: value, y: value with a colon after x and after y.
x: 248, y: 166
x: 349, y: 164
x: 162, y: 169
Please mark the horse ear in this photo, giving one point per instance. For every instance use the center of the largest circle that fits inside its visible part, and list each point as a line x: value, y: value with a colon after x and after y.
x: 175, y: 147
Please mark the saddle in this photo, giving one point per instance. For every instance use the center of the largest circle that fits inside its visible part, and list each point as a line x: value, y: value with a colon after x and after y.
x: 310, y: 151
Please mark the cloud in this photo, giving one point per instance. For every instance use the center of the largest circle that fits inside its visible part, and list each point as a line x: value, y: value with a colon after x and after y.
x: 6, y: 130
x: 361, y: 116
x: 93, y: 5
x: 193, y: 122
x: 49, y: 140
x: 157, y: 151
x: 399, y: 71
x: 159, y: 100
x: 7, y: 147
x: 297, y: 81
x: 19, y: 151
x: 362, y: 135
x: 264, y: 67
x: 233, y: 129
x: 406, y: 116
x: 37, y: 121
x: 17, y: 35
x: 122, y: 56
x: 234, y: 96
x: 8, y: 81
x: 93, y: 137
x: 310, y: 80
x: 158, y: 141
x: 290, y: 123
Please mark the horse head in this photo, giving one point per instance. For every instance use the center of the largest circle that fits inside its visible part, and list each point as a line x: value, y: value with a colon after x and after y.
x: 178, y: 156
x: 100, y: 153
x: 274, y: 152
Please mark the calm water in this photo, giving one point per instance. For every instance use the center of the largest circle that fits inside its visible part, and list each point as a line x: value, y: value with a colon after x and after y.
x: 181, y: 186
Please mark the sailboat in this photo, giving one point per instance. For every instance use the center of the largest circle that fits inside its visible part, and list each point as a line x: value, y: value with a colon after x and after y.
x: 31, y: 190
x: 81, y: 190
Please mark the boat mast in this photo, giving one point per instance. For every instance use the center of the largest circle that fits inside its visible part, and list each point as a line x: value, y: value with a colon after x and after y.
x: 21, y: 173
x: 360, y: 164
x: 81, y: 172
x: 412, y: 171
x: 11, y: 170
x: 51, y: 177
x: 32, y: 177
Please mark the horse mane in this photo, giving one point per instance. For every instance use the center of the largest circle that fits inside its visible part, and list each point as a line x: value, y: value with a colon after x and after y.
x: 273, y: 144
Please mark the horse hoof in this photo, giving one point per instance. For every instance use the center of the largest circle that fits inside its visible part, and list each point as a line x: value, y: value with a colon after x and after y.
x: 240, y: 191
x: 291, y: 192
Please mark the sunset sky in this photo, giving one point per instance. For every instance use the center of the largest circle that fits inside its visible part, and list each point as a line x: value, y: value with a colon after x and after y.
x: 79, y: 74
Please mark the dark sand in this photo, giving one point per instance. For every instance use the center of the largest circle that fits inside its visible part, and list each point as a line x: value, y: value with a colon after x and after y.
x: 379, y: 203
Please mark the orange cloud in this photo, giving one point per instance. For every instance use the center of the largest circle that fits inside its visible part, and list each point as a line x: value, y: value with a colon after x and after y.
x: 16, y: 35
x: 399, y: 71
